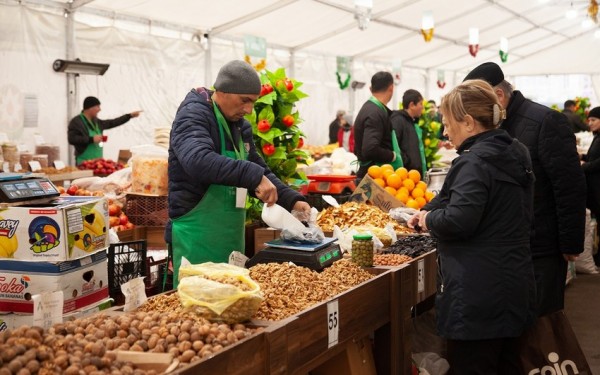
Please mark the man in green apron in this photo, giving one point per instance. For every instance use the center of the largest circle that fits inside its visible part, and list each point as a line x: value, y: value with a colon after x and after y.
x: 373, y: 140
x: 213, y: 165
x: 85, y: 130
x: 410, y: 135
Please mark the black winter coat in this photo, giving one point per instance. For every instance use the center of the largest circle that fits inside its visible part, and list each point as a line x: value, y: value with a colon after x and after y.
x: 78, y: 133
x: 372, y: 137
x: 482, y: 219
x: 576, y: 123
x: 408, y: 140
x: 559, y: 210
x: 195, y: 160
x: 591, y: 168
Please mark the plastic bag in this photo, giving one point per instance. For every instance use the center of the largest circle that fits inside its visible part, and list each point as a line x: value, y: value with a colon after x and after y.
x: 149, y: 165
x: 115, y: 185
x: 219, y: 292
x: 311, y: 233
x: 585, y: 261
x: 402, y: 214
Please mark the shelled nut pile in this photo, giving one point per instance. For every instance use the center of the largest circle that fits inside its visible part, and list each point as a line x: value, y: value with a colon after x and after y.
x: 390, y: 259
x: 289, y: 289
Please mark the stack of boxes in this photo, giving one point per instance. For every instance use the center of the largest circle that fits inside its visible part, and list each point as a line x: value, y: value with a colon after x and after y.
x: 60, y: 246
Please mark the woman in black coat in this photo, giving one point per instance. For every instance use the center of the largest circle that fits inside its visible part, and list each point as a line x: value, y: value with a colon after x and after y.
x: 482, y: 220
x: 591, y: 164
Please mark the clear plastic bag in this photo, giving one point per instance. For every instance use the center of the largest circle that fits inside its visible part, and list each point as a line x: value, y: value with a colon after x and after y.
x: 219, y: 292
x: 311, y: 233
x: 402, y: 214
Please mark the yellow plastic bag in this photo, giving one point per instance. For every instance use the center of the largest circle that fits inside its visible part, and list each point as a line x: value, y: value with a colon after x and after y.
x: 219, y: 292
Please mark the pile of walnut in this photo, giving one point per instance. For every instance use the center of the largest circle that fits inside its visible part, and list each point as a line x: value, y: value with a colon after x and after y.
x: 352, y: 214
x: 86, y: 346
x: 289, y: 289
x: 390, y: 259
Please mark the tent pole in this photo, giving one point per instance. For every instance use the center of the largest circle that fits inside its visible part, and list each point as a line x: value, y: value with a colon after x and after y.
x: 208, y: 61
x: 72, y: 81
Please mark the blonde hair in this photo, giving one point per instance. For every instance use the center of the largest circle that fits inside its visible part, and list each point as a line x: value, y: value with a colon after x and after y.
x: 477, y: 99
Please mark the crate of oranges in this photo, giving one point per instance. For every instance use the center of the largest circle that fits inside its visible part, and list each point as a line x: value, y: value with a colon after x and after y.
x: 402, y: 187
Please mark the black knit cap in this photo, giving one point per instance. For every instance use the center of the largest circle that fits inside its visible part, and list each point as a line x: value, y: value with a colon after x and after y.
x: 90, y: 102
x: 595, y: 112
x: 489, y: 72
x: 238, y: 77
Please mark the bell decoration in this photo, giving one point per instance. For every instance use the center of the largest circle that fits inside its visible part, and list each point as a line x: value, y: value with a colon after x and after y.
x: 503, y: 49
x: 427, y: 25
x: 441, y: 81
x: 473, y: 41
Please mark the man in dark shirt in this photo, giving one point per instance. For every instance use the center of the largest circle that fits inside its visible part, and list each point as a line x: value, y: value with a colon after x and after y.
x: 576, y: 123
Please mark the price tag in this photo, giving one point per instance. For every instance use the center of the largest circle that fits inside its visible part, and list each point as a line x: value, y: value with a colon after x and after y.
x: 135, y: 293
x: 421, y: 276
x: 47, y: 309
x: 22, y: 148
x: 333, y: 323
x: 6, y: 167
x: 35, y: 165
x: 58, y: 164
x: 3, y: 137
x: 38, y: 139
x: 238, y: 259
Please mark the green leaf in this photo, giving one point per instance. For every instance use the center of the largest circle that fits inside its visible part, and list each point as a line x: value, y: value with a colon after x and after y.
x: 267, y: 113
x: 279, y: 154
x: 289, y: 166
x: 300, y: 94
x: 267, y: 99
x: 251, y: 118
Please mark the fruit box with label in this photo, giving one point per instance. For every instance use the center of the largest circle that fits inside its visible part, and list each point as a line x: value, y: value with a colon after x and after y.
x: 368, y: 190
x: 83, y: 281
x: 67, y: 228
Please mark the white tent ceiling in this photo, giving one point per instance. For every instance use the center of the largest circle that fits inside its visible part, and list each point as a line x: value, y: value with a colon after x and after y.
x: 542, y: 39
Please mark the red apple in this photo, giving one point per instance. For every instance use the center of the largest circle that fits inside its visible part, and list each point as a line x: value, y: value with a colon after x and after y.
x: 123, y: 219
x: 114, y: 221
x: 114, y: 209
x: 72, y: 190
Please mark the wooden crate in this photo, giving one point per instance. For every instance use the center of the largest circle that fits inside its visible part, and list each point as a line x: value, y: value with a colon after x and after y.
x: 262, y: 235
x: 154, y: 236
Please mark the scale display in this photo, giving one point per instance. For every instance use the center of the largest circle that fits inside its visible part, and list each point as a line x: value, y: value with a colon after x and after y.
x: 25, y: 189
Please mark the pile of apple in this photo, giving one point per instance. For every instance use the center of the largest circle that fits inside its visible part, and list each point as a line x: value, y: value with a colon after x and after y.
x: 117, y: 218
x: 76, y: 190
x: 101, y: 166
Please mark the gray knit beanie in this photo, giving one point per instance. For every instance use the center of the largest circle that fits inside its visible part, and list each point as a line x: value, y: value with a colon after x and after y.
x: 238, y: 77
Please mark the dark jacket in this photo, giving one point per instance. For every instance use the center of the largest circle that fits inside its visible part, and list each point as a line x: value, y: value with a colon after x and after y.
x: 482, y: 219
x: 372, y: 137
x: 340, y: 137
x: 591, y: 168
x: 78, y: 133
x: 334, y: 127
x: 576, y: 122
x: 195, y: 160
x: 559, y: 210
x: 408, y: 140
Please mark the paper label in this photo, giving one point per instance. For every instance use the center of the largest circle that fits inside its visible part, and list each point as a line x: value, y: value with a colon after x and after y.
x: 58, y: 164
x: 238, y: 259
x: 333, y: 323
x: 421, y: 276
x: 240, y: 197
x: 35, y: 165
x: 135, y: 293
x: 48, y: 309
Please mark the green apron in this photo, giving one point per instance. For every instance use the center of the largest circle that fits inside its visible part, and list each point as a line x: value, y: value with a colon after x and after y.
x: 93, y: 150
x: 395, y: 147
x: 421, y: 148
x: 215, y: 227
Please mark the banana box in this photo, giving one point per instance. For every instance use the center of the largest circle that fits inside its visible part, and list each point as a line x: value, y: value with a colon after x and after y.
x: 67, y: 228
x: 83, y: 281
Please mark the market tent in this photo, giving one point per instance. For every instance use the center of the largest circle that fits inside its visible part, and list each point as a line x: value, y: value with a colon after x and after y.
x: 158, y: 51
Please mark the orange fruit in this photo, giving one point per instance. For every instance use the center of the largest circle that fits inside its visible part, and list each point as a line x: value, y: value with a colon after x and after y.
x: 417, y: 193
x: 374, y: 171
x: 387, y: 166
x: 402, y: 195
x: 390, y: 190
x: 421, y: 185
x: 403, y: 190
x: 380, y: 182
x: 414, y: 175
x: 394, y: 181
x: 421, y: 201
x: 411, y: 203
x: 402, y: 172
x: 386, y: 173
x: 429, y: 195
x: 408, y: 184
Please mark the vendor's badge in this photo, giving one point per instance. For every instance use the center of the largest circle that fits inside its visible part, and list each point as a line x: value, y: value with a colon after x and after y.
x: 240, y: 197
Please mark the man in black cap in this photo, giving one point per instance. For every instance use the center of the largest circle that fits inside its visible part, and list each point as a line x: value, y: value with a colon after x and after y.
x: 85, y: 130
x: 213, y: 163
x: 559, y: 206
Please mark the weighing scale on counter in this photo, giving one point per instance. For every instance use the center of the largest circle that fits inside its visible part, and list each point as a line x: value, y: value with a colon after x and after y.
x: 338, y: 186
x: 313, y: 256
x: 17, y: 189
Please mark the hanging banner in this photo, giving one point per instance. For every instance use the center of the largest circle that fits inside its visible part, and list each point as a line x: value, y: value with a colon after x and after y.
x: 441, y: 81
x: 255, y: 46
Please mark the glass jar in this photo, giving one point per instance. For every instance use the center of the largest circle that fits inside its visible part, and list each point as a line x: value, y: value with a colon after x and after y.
x: 362, y: 250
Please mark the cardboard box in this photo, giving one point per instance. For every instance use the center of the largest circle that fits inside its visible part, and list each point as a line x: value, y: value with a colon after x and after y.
x: 154, y: 236
x: 83, y: 281
x: 13, y: 321
x: 68, y: 228
x: 262, y: 235
x: 369, y: 191
x: 124, y: 156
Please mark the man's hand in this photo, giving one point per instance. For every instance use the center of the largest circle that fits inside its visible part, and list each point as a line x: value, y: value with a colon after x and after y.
x: 302, y: 207
x: 417, y: 221
x: 266, y: 191
x: 570, y: 257
x: 135, y: 114
x: 97, y: 138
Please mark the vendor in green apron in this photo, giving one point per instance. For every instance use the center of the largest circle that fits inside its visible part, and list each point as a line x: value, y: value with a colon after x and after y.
x: 85, y: 130
x: 410, y: 135
x: 375, y: 142
x: 213, y: 166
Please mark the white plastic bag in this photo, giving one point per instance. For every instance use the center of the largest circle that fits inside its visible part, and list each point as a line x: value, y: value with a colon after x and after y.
x: 585, y: 261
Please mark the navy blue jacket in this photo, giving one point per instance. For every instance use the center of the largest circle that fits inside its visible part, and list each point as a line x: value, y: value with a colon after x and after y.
x: 195, y: 160
x: 482, y: 220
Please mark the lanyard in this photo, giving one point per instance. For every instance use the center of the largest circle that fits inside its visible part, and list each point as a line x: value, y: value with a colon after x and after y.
x: 377, y: 103
x: 94, y: 127
x: 239, y: 151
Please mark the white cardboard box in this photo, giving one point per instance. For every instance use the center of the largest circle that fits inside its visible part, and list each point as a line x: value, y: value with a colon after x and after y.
x: 68, y: 228
x: 83, y: 281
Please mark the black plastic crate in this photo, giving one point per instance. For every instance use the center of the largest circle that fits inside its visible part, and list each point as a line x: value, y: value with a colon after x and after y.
x: 155, y: 280
x: 126, y: 261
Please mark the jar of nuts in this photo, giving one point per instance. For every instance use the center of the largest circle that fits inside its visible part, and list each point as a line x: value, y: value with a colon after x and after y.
x: 362, y: 250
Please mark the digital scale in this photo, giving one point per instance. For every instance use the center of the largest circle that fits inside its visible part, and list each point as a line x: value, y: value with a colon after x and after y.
x: 331, y: 184
x: 313, y: 256
x: 19, y: 189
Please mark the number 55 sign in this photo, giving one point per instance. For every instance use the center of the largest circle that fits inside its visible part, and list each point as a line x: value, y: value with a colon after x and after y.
x: 333, y: 323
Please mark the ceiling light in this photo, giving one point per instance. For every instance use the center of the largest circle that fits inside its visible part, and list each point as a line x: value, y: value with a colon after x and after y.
x: 79, y: 67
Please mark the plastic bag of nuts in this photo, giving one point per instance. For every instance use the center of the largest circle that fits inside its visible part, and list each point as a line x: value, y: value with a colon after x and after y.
x: 219, y: 292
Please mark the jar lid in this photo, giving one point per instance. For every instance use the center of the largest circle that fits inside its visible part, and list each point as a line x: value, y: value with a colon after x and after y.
x: 363, y: 236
